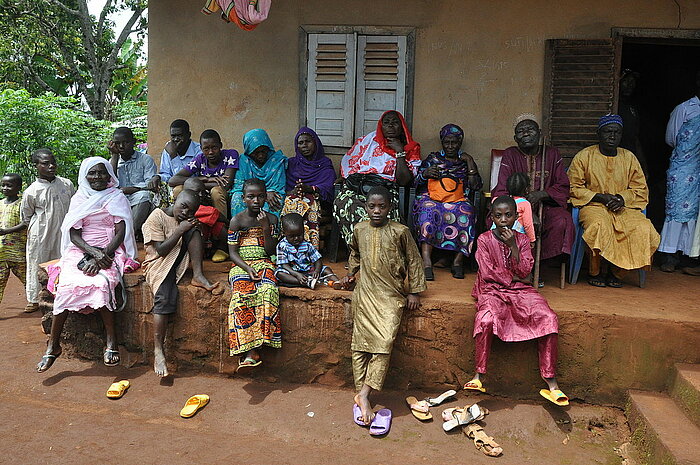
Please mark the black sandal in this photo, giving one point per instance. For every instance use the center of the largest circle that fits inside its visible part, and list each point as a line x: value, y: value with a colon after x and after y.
x: 429, y: 275
x: 612, y: 281
x: 596, y: 281
x: 109, y: 359
x: 47, y: 361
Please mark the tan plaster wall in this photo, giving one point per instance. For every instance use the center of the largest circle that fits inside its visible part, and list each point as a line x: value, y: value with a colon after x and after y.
x: 478, y: 63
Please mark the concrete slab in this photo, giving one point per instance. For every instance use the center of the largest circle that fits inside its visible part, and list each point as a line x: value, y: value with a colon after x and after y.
x: 686, y: 390
x: 660, y: 430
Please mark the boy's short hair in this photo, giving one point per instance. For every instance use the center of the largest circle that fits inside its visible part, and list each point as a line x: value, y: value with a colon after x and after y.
x: 517, y: 184
x: 124, y: 131
x: 292, y: 220
x: 188, y: 194
x: 15, y: 177
x: 180, y: 124
x: 254, y: 182
x: 380, y: 190
x: 504, y: 200
x: 194, y: 184
x: 39, y: 152
x: 210, y: 134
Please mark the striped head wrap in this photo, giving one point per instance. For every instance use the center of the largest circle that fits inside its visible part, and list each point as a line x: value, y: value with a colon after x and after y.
x: 451, y: 129
x: 609, y: 119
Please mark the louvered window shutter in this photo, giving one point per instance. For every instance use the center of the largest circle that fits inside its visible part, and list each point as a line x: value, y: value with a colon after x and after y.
x: 381, y: 79
x: 580, y: 86
x: 330, y: 95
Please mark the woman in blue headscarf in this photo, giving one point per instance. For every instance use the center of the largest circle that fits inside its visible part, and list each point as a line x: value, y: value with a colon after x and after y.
x: 261, y: 161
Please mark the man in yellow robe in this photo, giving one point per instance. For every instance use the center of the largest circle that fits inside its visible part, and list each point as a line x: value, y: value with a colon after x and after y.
x: 608, y: 185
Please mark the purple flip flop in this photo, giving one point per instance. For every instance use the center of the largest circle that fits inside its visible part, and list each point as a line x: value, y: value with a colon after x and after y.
x: 381, y: 423
x: 357, y: 415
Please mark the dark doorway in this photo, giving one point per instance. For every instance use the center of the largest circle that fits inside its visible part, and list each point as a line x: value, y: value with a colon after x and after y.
x: 666, y: 78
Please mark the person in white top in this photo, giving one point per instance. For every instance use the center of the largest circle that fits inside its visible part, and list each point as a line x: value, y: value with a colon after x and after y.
x: 683, y: 184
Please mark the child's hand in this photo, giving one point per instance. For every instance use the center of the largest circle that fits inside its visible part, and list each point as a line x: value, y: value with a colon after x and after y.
x: 189, y: 223
x: 263, y: 219
x: 254, y: 275
x: 508, y: 236
x: 302, y: 278
x: 346, y: 281
x: 221, y: 181
x: 316, y: 274
x: 413, y: 302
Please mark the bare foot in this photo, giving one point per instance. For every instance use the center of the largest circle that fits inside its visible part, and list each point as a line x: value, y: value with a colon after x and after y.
x: 365, y: 407
x: 159, y: 365
x: 203, y: 282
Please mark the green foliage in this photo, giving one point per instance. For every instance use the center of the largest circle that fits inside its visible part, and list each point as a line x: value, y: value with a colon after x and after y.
x: 28, y: 123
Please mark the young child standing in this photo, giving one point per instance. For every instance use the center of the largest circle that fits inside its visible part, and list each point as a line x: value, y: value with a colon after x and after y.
x: 253, y: 315
x: 172, y: 240
x: 44, y: 205
x: 13, y: 232
x: 392, y: 276
x: 518, y: 185
x: 298, y: 261
x: 507, y: 306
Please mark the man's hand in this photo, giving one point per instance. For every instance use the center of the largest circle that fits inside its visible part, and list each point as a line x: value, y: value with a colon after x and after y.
x: 616, y: 203
x: 153, y: 184
x: 112, y: 148
x: 413, y: 302
x: 535, y: 197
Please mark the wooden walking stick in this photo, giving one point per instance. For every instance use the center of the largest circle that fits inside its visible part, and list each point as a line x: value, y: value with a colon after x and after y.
x: 538, y: 244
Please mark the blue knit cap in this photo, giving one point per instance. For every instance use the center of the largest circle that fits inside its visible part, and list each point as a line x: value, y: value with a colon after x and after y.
x: 609, y: 119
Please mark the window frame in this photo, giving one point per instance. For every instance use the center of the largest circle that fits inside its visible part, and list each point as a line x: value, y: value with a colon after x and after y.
x: 305, y: 30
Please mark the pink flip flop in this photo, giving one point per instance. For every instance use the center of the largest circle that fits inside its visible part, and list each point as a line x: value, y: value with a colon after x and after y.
x: 381, y: 423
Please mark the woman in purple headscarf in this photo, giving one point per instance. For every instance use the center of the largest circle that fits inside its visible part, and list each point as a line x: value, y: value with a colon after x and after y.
x: 310, y: 178
x: 443, y: 216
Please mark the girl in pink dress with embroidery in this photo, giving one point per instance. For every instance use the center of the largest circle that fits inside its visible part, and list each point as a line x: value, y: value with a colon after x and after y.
x: 97, y: 241
x: 506, y: 305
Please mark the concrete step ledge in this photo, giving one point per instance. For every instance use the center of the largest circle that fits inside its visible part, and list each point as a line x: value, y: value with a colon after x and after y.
x: 686, y: 390
x: 661, y: 431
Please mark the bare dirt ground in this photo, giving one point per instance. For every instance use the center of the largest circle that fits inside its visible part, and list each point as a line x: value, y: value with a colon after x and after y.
x: 62, y: 416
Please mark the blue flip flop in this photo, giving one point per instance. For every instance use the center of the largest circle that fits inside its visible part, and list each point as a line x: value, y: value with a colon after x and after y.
x: 381, y: 423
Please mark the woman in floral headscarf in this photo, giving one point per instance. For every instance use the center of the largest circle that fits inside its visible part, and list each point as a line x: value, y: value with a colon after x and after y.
x: 444, y: 218
x: 388, y: 157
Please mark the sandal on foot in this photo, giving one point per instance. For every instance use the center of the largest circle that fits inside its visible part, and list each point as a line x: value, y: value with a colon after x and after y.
x: 357, y: 415
x: 461, y: 417
x: 482, y: 441
x: 247, y: 365
x: 429, y: 275
x: 46, y: 362
x: 117, y: 390
x: 457, y: 272
x: 109, y: 357
x: 31, y: 308
x: 193, y: 405
x: 596, y: 281
x: 474, y: 385
x: 556, y: 397
x: 381, y: 423
x: 419, y: 408
x: 612, y: 281
x: 434, y: 401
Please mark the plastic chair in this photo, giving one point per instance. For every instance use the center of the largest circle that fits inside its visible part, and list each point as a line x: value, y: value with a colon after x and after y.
x: 579, y: 248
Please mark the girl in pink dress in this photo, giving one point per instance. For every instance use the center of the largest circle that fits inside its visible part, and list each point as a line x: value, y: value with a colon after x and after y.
x: 97, y: 239
x: 508, y: 307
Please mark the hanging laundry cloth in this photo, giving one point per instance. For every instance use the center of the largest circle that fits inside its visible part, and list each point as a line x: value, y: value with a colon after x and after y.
x: 247, y: 14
